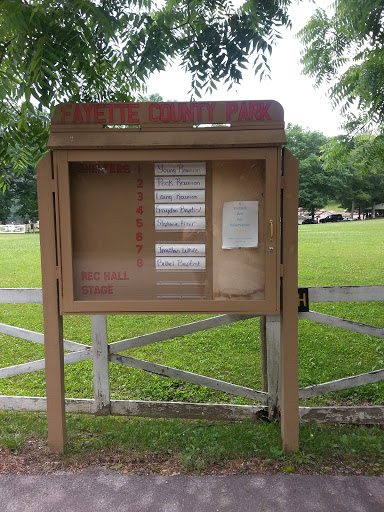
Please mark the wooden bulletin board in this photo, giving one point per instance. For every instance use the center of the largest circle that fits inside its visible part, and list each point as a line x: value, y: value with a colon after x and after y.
x: 168, y: 207
x: 152, y: 228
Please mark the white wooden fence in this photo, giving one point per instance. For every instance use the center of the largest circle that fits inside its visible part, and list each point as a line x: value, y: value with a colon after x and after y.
x: 19, y: 228
x: 12, y: 228
x: 102, y: 353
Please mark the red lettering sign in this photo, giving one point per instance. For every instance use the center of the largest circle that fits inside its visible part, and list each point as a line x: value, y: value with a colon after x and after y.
x: 116, y: 276
x: 168, y: 112
x: 98, y: 114
x: 88, y: 109
x: 231, y: 109
x: 77, y: 116
x: 133, y: 114
x: 97, y: 290
x: 90, y: 276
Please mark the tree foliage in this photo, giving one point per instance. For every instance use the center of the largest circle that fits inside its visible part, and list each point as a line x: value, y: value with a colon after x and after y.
x: 303, y: 143
x: 19, y: 200
x: 104, y: 50
x: 348, y: 170
x: 24, y: 192
x: 360, y: 162
x: 5, y: 206
x: 346, y: 50
x: 316, y: 184
x: 21, y: 142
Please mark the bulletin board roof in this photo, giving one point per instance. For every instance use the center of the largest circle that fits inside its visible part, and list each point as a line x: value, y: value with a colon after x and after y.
x: 198, y: 124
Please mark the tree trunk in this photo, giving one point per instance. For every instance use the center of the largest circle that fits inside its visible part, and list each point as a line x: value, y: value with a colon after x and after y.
x: 353, y: 209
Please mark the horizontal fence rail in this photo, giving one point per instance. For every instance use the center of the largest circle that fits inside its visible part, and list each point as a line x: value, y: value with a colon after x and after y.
x: 142, y: 408
x: 21, y: 296
x: 346, y: 293
x: 102, y: 353
x: 226, y: 412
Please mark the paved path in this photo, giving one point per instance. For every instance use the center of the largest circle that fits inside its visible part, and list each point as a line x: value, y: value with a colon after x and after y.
x: 117, y: 493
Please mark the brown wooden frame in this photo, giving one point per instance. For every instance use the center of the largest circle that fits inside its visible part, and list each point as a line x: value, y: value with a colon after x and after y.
x: 268, y: 305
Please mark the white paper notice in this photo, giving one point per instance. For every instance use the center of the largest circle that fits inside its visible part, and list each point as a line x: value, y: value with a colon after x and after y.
x: 180, y: 249
x: 166, y: 263
x: 179, y: 223
x: 178, y: 210
x: 180, y: 169
x: 180, y: 196
x: 240, y: 224
x: 179, y: 183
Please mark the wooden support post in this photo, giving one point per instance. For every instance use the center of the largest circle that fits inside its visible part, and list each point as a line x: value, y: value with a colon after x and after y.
x: 263, y: 355
x: 289, y: 385
x: 100, y: 364
x: 53, y: 321
x: 272, y: 332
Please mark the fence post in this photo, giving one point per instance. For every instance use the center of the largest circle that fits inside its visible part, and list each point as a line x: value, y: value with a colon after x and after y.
x: 272, y: 334
x: 263, y: 355
x: 100, y: 351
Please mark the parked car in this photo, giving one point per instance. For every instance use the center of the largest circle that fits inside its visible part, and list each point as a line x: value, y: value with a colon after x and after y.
x: 309, y: 221
x: 335, y: 217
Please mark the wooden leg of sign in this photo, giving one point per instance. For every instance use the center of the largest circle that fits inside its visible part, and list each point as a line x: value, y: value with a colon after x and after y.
x: 53, y: 321
x: 289, y: 385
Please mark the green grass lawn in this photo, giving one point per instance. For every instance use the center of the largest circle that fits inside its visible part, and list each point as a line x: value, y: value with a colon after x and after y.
x: 349, y: 253
x: 346, y: 253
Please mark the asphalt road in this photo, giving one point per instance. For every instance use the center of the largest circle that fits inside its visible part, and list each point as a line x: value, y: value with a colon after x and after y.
x: 117, y: 493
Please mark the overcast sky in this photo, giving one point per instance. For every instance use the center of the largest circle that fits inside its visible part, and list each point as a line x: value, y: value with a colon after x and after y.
x: 302, y: 104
